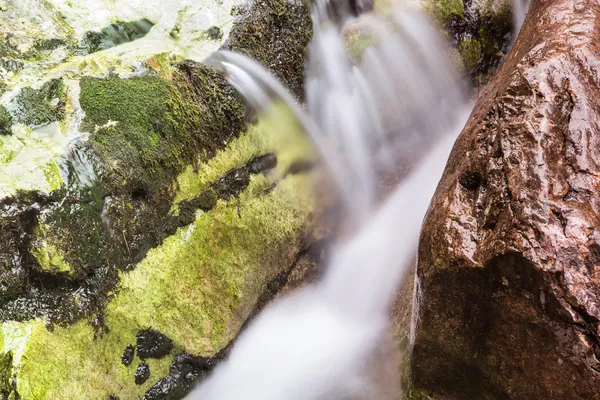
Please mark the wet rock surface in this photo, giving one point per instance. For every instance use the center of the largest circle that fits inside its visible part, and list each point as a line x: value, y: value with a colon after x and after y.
x: 281, y: 27
x: 128, y: 354
x: 142, y: 373
x: 481, y: 31
x: 185, y: 372
x: 152, y: 344
x: 508, y: 260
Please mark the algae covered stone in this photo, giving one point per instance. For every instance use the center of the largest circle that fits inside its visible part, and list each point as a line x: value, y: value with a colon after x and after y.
x: 481, y: 31
x: 142, y: 132
x: 196, y: 288
x: 135, y: 198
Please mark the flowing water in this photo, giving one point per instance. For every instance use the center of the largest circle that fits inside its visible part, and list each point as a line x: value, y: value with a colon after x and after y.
x: 519, y: 8
x: 400, y: 104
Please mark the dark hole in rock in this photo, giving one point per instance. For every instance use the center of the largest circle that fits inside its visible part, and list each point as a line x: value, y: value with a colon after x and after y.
x: 128, y: 354
x: 470, y: 180
x: 138, y: 194
x: 142, y: 373
x: 594, y: 250
x: 112, y: 396
x: 152, y: 344
x: 263, y: 163
x: 214, y: 33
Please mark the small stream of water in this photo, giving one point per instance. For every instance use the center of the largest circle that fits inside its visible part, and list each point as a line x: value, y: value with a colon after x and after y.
x: 402, y: 103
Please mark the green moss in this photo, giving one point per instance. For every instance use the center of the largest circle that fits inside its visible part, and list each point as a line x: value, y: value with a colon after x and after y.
x: 69, y: 363
x: 207, y: 269
x: 443, y: 12
x: 197, y: 287
x: 147, y: 129
x: 471, y: 52
x: 276, y: 133
x: 5, y: 121
x: 36, y: 107
x: 124, y: 114
x: 50, y: 258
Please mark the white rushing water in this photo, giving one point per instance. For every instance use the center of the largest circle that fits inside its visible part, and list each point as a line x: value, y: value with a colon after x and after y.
x: 401, y: 100
x: 519, y: 12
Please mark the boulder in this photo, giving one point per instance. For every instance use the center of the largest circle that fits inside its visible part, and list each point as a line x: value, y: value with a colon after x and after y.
x: 508, y: 263
x: 136, y: 202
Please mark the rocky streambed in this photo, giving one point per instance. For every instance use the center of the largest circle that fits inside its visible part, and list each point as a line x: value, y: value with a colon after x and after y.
x: 145, y: 214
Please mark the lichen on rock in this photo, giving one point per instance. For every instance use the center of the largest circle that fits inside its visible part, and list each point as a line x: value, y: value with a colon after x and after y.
x: 36, y: 107
x: 5, y: 121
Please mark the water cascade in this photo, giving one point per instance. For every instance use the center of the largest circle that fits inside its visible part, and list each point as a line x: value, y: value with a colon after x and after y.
x: 519, y: 12
x: 400, y: 104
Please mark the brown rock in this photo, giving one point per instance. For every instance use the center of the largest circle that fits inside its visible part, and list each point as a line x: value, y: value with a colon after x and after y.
x: 509, y: 261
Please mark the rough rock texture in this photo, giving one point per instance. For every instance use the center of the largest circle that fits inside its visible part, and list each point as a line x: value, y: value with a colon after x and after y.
x: 144, y: 131
x: 275, y: 27
x: 509, y: 263
x: 135, y: 199
x: 481, y: 31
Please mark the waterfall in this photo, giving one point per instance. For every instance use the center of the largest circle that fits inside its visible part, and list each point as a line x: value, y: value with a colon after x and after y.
x: 519, y: 12
x: 401, y: 103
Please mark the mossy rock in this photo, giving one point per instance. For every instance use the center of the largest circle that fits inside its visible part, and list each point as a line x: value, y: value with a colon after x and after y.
x: 36, y: 107
x: 281, y: 27
x: 139, y: 201
x: 5, y: 121
x: 143, y: 132
x: 197, y: 287
x: 481, y: 31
